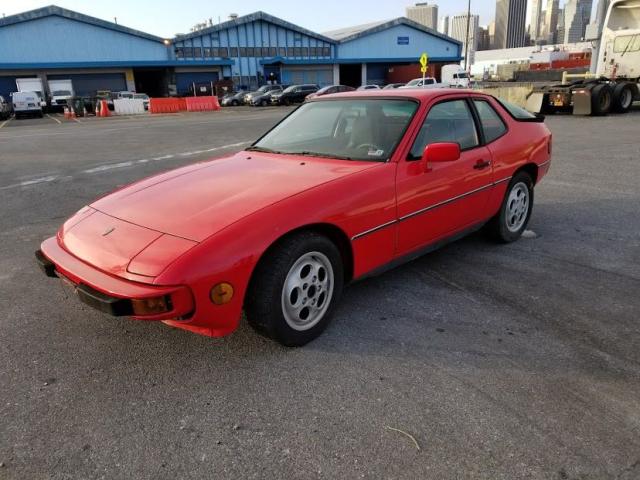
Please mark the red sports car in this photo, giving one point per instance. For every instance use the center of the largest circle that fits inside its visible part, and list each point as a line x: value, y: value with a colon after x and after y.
x: 343, y: 187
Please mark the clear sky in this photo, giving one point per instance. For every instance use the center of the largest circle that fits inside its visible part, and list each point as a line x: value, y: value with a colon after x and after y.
x: 166, y: 18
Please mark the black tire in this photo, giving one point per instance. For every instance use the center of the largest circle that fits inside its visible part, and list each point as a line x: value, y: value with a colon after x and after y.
x: 498, y: 227
x: 601, y: 99
x: 286, y: 102
x: 235, y: 103
x: 263, y: 103
x: 264, y: 305
x: 622, y: 98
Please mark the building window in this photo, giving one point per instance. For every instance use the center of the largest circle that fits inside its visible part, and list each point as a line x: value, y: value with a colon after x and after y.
x: 326, y: 51
x: 243, y: 51
x: 297, y: 51
x: 197, y: 52
x: 305, y: 51
x: 223, y: 52
x: 234, y: 51
x: 282, y: 51
x: 208, y: 52
x: 313, y: 51
x: 188, y: 52
x: 179, y: 52
x: 272, y: 51
x: 250, y: 52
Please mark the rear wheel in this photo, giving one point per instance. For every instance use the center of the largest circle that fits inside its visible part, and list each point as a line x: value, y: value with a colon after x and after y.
x: 263, y: 103
x: 622, y: 98
x: 294, y: 289
x: 601, y: 99
x: 512, y: 219
x: 235, y: 103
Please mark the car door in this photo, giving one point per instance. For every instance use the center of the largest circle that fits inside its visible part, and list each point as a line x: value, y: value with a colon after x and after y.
x: 448, y: 197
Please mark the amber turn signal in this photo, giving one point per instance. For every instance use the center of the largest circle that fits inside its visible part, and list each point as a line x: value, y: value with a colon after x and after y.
x: 151, y: 306
x: 221, y: 293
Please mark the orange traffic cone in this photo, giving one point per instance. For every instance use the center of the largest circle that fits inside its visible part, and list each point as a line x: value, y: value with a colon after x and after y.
x: 66, y: 112
x: 72, y: 115
x: 105, y: 109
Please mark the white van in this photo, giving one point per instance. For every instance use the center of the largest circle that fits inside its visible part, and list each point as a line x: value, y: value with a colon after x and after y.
x: 26, y: 104
x: 454, y: 76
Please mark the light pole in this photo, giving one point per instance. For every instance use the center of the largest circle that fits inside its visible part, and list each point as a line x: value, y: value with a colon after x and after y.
x: 466, y: 43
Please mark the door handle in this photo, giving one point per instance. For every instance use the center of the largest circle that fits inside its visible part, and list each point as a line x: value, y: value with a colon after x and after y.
x: 480, y: 164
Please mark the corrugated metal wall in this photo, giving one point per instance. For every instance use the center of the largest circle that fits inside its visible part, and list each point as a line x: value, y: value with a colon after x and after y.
x: 296, y: 75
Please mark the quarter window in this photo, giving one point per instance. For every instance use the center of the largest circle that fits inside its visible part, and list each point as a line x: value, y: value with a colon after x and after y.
x: 449, y: 121
x: 492, y: 125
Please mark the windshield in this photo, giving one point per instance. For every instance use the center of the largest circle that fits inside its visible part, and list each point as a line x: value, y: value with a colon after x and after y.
x: 414, y: 82
x: 144, y: 96
x: 61, y: 93
x: 290, y: 89
x: 345, y: 129
x: 460, y: 75
x: 263, y: 89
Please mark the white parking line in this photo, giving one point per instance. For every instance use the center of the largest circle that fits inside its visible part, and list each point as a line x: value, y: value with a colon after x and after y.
x: 5, y: 122
x: 35, y: 181
x: 54, y: 119
x: 130, y: 163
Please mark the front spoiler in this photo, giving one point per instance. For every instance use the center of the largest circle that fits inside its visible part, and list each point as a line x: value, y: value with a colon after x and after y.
x: 108, y: 293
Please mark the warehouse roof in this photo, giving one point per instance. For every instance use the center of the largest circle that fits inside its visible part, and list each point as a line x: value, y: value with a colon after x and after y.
x: 252, y: 17
x: 54, y: 10
x: 351, y: 33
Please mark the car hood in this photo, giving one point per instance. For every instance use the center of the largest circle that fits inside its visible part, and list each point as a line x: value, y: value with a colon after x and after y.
x: 199, y: 200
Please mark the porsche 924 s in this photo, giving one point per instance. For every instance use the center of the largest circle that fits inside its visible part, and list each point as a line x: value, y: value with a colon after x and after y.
x: 344, y: 187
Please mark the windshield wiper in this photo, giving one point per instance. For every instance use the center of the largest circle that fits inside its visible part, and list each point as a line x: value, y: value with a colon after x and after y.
x: 307, y: 153
x: 262, y: 149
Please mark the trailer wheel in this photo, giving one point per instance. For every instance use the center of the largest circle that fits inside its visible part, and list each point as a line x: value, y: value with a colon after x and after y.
x: 622, y: 98
x: 601, y: 99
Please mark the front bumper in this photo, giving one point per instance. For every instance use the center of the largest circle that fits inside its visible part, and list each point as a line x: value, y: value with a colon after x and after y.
x: 107, y: 293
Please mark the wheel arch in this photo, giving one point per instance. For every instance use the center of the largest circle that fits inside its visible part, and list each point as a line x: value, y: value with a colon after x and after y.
x: 531, y: 169
x: 329, y: 230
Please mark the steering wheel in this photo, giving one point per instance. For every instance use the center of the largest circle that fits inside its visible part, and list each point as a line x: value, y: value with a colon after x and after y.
x: 371, y: 146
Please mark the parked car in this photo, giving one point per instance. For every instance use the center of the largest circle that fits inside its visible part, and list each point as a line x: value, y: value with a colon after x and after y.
x: 144, y: 97
x: 426, y: 82
x: 293, y: 94
x: 329, y: 90
x: 5, y: 108
x: 393, y: 85
x: 233, y: 99
x: 344, y: 187
x: 368, y: 87
x: 262, y: 96
x: 26, y: 104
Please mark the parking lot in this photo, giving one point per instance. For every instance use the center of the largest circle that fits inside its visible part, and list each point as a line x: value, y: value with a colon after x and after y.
x: 478, y: 361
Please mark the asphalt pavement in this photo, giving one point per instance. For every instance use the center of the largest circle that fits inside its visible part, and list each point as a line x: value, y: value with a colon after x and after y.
x: 478, y: 361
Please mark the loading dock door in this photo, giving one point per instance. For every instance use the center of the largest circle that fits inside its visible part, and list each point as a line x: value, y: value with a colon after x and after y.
x: 7, y: 86
x: 185, y: 80
x: 299, y: 75
x: 86, y: 84
x: 351, y: 74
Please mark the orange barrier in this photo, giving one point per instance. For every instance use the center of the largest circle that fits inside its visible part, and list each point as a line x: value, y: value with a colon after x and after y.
x: 167, y: 105
x: 202, y: 104
x: 104, y: 109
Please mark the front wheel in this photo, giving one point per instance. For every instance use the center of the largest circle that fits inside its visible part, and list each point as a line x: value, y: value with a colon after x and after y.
x: 512, y: 219
x: 294, y: 289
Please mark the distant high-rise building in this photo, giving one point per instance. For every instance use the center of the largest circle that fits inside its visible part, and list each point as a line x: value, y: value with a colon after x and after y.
x: 537, y: 20
x: 443, y: 25
x: 492, y: 35
x: 424, y: 13
x: 484, y: 39
x: 594, y: 30
x: 458, y: 30
x: 559, y: 33
x: 577, y: 14
x: 511, y: 16
x: 550, y: 31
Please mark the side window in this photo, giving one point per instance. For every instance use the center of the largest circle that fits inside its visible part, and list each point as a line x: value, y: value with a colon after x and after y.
x: 492, y: 125
x: 449, y: 121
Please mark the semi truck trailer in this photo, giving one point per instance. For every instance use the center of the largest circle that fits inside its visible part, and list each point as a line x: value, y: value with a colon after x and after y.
x: 614, y: 83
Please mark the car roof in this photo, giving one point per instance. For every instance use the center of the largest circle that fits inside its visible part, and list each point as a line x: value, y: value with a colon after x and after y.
x: 421, y: 94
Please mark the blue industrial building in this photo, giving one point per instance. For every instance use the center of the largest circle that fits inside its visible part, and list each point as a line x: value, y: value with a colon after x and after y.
x: 55, y: 43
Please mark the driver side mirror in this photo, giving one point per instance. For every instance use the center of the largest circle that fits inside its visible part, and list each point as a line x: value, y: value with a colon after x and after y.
x: 440, y: 152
